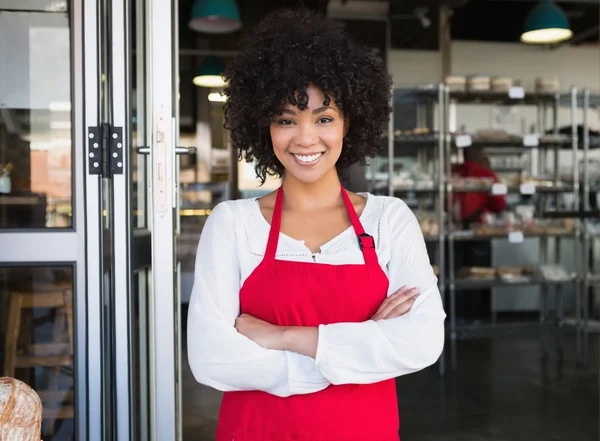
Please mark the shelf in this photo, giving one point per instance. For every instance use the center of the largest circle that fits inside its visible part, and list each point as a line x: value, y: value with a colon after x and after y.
x: 497, y: 282
x: 541, y: 188
x: 473, y: 237
x: 507, y: 329
x: 517, y: 144
x: 417, y: 139
x: 490, y: 97
x: 431, y: 91
x: 400, y: 191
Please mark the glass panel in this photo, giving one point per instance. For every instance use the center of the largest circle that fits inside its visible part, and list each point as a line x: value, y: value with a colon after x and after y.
x: 141, y: 292
x: 35, y: 119
x: 139, y: 162
x: 36, y: 340
x: 35, y: 5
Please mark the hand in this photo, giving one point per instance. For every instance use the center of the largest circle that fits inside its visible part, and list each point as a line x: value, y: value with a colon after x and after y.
x: 263, y: 333
x: 397, y: 304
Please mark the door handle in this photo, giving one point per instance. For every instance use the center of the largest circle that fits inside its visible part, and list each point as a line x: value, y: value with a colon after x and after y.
x: 178, y: 150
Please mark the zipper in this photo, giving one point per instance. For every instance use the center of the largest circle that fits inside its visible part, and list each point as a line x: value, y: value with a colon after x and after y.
x: 314, y: 258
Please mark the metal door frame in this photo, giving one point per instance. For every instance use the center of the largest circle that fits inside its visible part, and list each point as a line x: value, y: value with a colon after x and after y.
x: 165, y: 371
x: 158, y: 120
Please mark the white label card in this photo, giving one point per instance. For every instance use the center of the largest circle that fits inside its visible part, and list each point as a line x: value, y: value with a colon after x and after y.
x: 463, y: 141
x: 515, y: 237
x: 499, y: 189
x: 516, y: 93
x: 531, y: 140
x: 527, y: 188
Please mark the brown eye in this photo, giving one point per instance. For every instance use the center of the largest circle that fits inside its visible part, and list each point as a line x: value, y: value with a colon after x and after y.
x: 285, y: 122
x: 324, y: 120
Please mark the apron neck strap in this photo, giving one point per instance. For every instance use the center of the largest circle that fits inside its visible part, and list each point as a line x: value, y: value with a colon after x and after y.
x: 275, y: 226
x: 365, y: 241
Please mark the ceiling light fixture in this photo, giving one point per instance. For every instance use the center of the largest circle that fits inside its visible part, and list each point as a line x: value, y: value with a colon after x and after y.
x: 215, y: 16
x: 546, y: 23
x: 217, y: 97
x: 210, y: 73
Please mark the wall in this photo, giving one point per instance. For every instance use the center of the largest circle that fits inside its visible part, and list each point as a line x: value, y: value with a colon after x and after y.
x: 579, y: 66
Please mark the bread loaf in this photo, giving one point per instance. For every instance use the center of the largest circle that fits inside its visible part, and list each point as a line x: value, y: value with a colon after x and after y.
x: 20, y: 411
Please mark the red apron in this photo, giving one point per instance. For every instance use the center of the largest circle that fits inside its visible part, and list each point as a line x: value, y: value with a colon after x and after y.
x: 289, y: 293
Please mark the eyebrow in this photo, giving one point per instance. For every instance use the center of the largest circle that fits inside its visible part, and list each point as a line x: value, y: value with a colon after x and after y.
x: 314, y: 112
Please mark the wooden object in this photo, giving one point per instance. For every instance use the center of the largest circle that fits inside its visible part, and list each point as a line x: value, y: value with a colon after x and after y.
x: 53, y: 355
x: 20, y: 411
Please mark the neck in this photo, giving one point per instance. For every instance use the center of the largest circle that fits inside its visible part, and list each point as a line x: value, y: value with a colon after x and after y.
x: 323, y: 193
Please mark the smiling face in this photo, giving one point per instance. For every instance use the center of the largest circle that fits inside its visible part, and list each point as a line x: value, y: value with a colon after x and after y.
x: 308, y: 143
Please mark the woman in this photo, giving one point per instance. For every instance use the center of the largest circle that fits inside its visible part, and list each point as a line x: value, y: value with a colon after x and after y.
x: 300, y: 309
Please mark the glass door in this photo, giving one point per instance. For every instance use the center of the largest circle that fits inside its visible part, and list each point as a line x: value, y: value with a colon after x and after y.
x: 50, y: 211
x: 143, y: 101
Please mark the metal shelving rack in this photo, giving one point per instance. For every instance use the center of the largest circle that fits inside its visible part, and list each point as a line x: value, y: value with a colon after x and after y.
x: 542, y: 102
x: 589, y: 278
x: 550, y: 198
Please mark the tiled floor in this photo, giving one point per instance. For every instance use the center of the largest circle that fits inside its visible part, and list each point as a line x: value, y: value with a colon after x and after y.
x: 502, y: 391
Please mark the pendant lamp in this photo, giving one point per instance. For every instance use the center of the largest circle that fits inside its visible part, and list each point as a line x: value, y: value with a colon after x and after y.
x: 210, y: 73
x: 215, y: 16
x: 546, y: 23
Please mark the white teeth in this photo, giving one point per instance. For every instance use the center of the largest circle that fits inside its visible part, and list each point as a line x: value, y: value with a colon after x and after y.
x: 308, y: 158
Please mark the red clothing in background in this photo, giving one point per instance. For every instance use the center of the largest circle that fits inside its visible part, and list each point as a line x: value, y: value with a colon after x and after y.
x: 470, y: 204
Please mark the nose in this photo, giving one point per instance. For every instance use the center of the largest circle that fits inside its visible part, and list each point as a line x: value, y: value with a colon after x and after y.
x: 306, y: 135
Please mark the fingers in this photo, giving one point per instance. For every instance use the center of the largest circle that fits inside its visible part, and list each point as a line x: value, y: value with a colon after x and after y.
x: 396, y: 298
x: 401, y: 309
x: 391, y: 298
x: 397, y: 304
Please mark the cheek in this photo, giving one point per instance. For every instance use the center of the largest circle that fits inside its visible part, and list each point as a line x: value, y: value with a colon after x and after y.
x: 334, y: 138
x: 279, y: 138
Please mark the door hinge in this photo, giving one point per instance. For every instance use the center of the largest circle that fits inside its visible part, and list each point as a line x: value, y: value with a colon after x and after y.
x: 105, y: 147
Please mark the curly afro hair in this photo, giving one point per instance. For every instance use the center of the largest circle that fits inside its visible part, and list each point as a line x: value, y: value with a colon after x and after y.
x: 286, y: 52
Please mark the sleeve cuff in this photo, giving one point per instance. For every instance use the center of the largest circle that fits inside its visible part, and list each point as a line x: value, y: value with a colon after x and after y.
x: 321, y: 355
x: 303, y: 377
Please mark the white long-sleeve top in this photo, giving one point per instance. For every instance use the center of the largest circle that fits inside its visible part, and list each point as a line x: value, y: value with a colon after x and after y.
x: 233, y: 243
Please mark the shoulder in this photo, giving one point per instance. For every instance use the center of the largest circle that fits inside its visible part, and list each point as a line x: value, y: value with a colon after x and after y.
x: 394, y: 218
x: 388, y: 208
x: 232, y: 216
x: 233, y: 208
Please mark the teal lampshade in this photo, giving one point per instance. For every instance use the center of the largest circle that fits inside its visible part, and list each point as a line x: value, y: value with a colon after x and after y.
x: 210, y: 73
x: 546, y: 23
x: 215, y: 16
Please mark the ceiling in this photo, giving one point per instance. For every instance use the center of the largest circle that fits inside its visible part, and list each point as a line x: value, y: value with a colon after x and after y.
x: 414, y: 23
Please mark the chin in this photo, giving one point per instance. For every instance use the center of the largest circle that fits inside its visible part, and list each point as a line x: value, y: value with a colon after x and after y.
x: 305, y: 177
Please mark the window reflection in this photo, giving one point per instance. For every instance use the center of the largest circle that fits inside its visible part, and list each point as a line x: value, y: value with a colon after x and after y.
x: 35, y: 119
x: 36, y: 340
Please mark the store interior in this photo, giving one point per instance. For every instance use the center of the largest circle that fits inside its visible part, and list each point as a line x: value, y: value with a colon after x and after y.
x: 520, y: 286
x: 522, y: 327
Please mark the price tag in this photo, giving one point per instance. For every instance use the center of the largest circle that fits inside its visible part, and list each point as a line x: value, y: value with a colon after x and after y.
x: 499, y: 189
x: 515, y: 237
x: 463, y: 141
x: 516, y: 93
x: 531, y: 140
x: 527, y: 188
